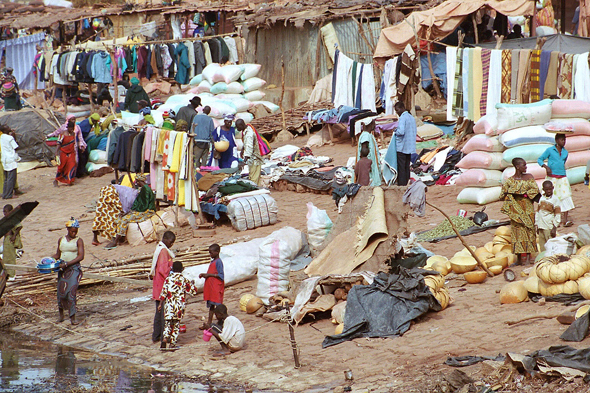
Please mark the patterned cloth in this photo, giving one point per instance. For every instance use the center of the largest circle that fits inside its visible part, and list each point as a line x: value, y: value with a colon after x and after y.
x: 122, y: 223
x: 485, y: 66
x: 173, y: 294
x: 563, y: 192
x: 66, y: 171
x: 506, y: 75
x: 535, y: 75
x: 67, y: 288
x: 565, y: 76
x: 108, y: 209
x: 458, y: 92
x: 518, y: 198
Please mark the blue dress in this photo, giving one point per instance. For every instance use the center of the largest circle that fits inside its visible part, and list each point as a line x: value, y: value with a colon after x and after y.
x: 230, y: 155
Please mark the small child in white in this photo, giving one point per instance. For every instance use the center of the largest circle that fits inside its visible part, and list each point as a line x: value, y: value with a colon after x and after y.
x: 548, y: 215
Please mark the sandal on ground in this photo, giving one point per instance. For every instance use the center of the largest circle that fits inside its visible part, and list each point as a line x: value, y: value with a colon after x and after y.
x: 568, y: 224
x: 96, y: 243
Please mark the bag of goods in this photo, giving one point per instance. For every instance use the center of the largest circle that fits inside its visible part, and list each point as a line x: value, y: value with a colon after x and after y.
x: 534, y: 169
x: 479, y: 178
x: 514, y: 292
x: 91, y: 166
x: 577, y: 158
x: 221, y: 108
x: 480, y: 196
x: 512, y: 116
x: 576, y: 175
x: 575, y: 126
x: 529, y: 153
x: 145, y: 231
x: 255, y: 95
x: 97, y: 156
x: 246, y: 116
x: 273, y: 108
x: 319, y: 226
x: 584, y: 286
x: 577, y: 143
x: 251, y: 84
x: 209, y: 73
x: 241, y: 104
x: 482, y: 143
x: 570, y: 108
x: 218, y: 88
x: 196, y: 80
x: 229, y: 73
x: 204, y: 87
x: 487, y: 124
x: 227, y: 96
x: 482, y: 160
x: 274, y: 264
x: 429, y: 131
x: 559, y: 268
x: 526, y: 136
x: 250, y: 71
x: 234, y: 88
x: 252, y: 212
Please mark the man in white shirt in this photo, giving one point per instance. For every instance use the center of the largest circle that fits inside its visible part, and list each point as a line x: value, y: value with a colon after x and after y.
x: 9, y: 160
x: 228, y: 330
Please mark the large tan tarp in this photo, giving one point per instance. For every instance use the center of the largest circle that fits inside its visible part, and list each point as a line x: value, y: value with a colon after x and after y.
x: 438, y: 22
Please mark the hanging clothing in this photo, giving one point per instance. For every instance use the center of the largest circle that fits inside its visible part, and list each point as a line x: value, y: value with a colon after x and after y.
x: 494, y: 89
x: 200, y: 61
x: 233, y: 51
x: 181, y: 55
x: 166, y: 60
x: 101, y: 68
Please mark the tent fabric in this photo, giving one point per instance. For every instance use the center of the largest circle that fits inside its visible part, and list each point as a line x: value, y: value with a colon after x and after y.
x: 554, y: 43
x: 386, y: 307
x: 31, y: 129
x: 439, y: 22
x: 20, y: 55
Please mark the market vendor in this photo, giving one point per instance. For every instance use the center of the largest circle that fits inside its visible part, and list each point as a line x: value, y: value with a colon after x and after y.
x: 226, y: 132
x: 10, y: 91
x: 135, y: 93
x: 251, y: 153
x: 556, y: 156
x: 113, y: 214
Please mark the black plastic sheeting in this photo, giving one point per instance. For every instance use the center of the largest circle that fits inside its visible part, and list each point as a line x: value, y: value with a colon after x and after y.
x: 464, y: 361
x: 559, y: 356
x: 578, y: 330
x: 387, y: 306
x: 30, y: 129
x: 320, y: 181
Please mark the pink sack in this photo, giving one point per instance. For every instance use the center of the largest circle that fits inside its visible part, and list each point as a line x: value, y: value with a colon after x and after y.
x: 577, y: 158
x: 482, y: 143
x: 573, y: 126
x: 479, y: 178
x: 534, y: 169
x: 482, y: 160
x: 577, y: 143
x: 486, y: 125
x: 570, y: 108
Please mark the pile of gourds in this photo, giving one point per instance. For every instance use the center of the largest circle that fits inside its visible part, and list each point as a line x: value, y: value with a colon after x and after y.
x: 559, y: 274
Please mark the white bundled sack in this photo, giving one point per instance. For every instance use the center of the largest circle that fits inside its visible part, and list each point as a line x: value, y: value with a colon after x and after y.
x: 479, y: 178
x: 196, y: 80
x: 252, y: 212
x: 241, y: 104
x: 218, y: 88
x: 250, y: 71
x: 565, y: 244
x: 246, y: 116
x: 146, y: 231
x: 276, y: 253
x: 209, y: 73
x: 255, y: 95
x: 97, y: 156
x: 526, y: 136
x: 480, y: 196
x: 273, y: 108
x: 204, y: 87
x: 234, y: 88
x: 521, y: 115
x: 251, y: 84
x: 319, y: 226
x: 228, y: 73
x: 220, y: 108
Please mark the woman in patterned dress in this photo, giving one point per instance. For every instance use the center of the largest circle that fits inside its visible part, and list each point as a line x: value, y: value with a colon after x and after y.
x: 519, y: 193
x: 70, y: 252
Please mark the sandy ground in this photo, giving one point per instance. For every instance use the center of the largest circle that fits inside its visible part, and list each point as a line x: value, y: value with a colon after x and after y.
x: 475, y: 323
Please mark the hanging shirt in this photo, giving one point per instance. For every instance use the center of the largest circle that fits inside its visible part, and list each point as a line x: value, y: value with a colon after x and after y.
x: 101, y: 68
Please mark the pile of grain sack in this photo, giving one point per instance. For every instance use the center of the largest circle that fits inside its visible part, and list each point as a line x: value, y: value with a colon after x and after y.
x: 521, y: 130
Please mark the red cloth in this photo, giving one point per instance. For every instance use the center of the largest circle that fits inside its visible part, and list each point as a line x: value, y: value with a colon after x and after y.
x: 66, y: 171
x: 163, y: 267
x: 214, y: 287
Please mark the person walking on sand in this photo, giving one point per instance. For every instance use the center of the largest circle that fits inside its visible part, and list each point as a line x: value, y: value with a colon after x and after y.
x: 70, y: 252
x: 12, y: 242
x: 556, y: 157
x: 161, y: 266
x: 9, y: 160
x: 214, y: 283
x: 228, y: 330
x: 518, y: 193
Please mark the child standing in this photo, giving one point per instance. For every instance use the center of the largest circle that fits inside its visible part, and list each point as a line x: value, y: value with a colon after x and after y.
x: 548, y: 215
x: 9, y: 161
x: 161, y: 266
x: 12, y: 242
x: 214, y: 283
x: 362, y: 169
x: 172, y: 296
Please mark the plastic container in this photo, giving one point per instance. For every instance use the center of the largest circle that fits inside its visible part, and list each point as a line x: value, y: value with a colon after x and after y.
x: 207, y: 335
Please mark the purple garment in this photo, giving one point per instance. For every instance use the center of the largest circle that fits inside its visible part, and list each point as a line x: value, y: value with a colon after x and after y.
x: 127, y: 196
x: 544, y: 70
x: 379, y: 128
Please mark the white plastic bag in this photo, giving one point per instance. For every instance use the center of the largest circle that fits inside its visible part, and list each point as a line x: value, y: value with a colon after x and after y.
x: 252, y: 212
x: 319, y: 226
x: 246, y: 116
x: 97, y: 156
x: 234, y: 88
x: 255, y: 95
x: 196, y: 80
x: 209, y: 73
x: 565, y: 244
x: 251, y: 84
x: 250, y: 71
x: 229, y: 73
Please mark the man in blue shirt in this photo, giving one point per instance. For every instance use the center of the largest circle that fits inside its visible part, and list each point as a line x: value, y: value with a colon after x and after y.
x: 202, y: 128
x: 405, y: 139
x: 556, y: 157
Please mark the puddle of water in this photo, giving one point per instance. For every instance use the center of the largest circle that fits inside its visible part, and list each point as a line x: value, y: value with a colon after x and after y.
x: 34, y: 366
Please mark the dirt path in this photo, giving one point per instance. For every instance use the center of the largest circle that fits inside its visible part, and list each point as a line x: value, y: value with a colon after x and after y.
x: 473, y: 325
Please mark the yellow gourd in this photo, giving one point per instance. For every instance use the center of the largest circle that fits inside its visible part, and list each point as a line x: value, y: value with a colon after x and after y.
x: 514, y: 292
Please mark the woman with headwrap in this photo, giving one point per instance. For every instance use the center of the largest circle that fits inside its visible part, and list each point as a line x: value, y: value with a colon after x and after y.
x: 10, y: 92
x: 70, y: 142
x: 135, y: 93
x: 146, y: 113
x: 91, y: 126
x: 143, y: 208
x: 226, y: 132
x: 70, y: 252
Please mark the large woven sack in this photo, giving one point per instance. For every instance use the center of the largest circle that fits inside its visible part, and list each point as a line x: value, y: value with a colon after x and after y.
x: 526, y: 136
x: 480, y: 196
x: 487, y: 124
x: 482, y: 160
x: 570, y: 108
x: 482, y: 143
x: 146, y: 231
x: 577, y: 158
x: 252, y: 212
x: 529, y: 153
x: 479, y: 178
x: 512, y: 116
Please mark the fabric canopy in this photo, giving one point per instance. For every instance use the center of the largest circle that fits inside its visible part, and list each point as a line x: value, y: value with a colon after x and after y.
x: 555, y: 42
x: 20, y: 55
x: 438, y: 22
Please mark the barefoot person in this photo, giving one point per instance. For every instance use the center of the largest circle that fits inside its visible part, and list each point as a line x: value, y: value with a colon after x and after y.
x: 70, y: 252
x: 228, y: 330
x: 556, y: 157
x: 161, y: 266
x: 518, y: 194
x: 214, y: 283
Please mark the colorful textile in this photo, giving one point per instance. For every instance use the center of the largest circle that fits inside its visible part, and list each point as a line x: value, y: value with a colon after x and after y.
x: 72, y: 223
x: 477, y: 69
x: 514, y: 79
x: 108, y: 209
x: 563, y: 191
x: 518, y: 198
x: 67, y: 287
x: 122, y: 223
x: 535, y: 75
x: 543, y: 71
x: 171, y: 331
x: 506, y: 75
x: 66, y: 171
x: 173, y: 293
x: 565, y: 76
x: 214, y: 287
x: 485, y: 66
x: 161, y: 266
x: 524, y: 82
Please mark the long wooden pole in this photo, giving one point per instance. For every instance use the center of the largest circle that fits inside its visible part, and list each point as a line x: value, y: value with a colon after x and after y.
x: 479, y: 262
